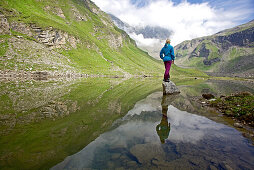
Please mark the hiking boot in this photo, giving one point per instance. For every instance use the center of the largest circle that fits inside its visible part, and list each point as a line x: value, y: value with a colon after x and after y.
x: 167, y: 80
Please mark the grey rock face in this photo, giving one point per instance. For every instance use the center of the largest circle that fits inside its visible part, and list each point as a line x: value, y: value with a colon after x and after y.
x: 4, y: 25
x: 210, y: 62
x: 56, y: 10
x: 170, y: 88
x: 240, y: 38
x: 21, y: 27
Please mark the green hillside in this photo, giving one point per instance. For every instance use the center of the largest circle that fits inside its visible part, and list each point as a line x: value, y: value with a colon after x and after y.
x: 68, y: 36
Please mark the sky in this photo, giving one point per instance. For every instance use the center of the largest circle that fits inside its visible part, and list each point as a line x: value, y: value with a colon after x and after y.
x: 187, y: 19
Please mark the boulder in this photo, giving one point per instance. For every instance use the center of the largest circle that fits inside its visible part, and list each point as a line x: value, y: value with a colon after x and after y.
x: 170, y: 88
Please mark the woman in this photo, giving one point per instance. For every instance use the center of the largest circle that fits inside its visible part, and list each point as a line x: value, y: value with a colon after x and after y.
x: 168, y: 56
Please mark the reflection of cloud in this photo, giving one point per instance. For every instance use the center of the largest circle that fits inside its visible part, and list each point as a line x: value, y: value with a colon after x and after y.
x: 151, y: 103
x: 188, y: 127
x: 185, y: 19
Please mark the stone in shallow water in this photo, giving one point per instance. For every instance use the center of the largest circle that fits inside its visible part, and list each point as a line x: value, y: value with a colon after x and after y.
x: 170, y: 88
x: 145, y: 153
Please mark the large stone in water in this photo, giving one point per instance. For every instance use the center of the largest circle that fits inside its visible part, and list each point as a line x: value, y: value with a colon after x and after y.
x: 145, y: 153
x: 170, y: 88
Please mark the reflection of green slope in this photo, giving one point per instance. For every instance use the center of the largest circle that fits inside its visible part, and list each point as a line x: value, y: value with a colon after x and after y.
x: 43, y: 144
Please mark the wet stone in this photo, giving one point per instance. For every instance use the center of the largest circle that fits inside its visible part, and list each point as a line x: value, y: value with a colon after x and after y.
x: 111, y: 164
x: 145, y: 153
x: 117, y: 148
x: 115, y: 156
x: 238, y: 125
x: 131, y: 163
x: 212, y: 167
x: 170, y: 88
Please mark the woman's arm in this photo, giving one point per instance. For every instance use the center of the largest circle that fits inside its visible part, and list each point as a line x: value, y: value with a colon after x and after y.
x: 161, y: 53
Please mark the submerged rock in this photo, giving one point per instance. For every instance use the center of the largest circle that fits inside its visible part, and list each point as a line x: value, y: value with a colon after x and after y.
x: 208, y: 96
x: 145, y: 153
x: 170, y: 88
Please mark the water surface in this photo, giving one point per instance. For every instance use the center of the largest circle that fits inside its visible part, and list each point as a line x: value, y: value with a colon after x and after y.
x: 101, y: 123
x: 155, y: 134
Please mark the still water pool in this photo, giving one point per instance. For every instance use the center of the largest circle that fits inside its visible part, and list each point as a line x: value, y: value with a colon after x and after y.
x: 156, y: 135
x: 118, y: 124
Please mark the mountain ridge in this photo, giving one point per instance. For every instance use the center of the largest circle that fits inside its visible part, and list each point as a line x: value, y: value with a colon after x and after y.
x: 220, y: 52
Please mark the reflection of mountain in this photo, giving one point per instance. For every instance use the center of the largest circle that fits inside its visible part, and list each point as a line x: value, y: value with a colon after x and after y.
x: 158, y: 34
x: 45, y: 140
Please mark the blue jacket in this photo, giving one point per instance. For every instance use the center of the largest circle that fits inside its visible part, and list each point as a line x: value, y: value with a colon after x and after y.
x: 167, y: 53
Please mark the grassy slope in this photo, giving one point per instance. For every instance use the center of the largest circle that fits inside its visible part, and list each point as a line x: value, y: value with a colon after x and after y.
x: 129, y: 58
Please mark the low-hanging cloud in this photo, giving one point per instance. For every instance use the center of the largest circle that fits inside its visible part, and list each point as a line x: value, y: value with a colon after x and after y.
x: 141, y: 41
x: 185, y: 20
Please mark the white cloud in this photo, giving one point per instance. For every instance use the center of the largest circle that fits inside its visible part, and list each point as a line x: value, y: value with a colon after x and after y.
x: 186, y: 20
x: 141, y: 41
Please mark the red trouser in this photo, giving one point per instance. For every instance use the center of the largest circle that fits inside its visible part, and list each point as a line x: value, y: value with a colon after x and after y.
x: 167, y: 69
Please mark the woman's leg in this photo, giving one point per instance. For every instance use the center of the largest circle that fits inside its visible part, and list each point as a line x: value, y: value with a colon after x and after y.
x: 167, y: 69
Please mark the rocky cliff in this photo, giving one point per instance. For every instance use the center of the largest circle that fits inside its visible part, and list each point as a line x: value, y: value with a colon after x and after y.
x: 229, y: 52
x: 69, y: 37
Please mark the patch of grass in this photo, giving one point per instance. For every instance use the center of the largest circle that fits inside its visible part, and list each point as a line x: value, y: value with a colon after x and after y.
x: 182, y: 53
x: 3, y: 48
x: 214, y: 51
x: 178, y: 72
x: 239, y: 105
x: 236, y: 52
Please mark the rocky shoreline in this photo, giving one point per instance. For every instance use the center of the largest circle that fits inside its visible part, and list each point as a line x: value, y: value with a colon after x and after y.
x: 247, y: 75
x: 46, y: 75
x: 239, y: 107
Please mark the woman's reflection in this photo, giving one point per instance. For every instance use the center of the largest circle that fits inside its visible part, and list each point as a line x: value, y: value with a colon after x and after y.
x: 163, y: 128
